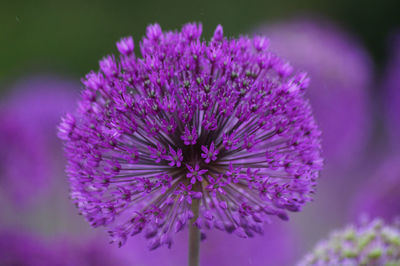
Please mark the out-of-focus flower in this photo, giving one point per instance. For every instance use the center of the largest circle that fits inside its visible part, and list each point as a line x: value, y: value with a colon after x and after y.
x: 222, y: 124
x: 379, y: 196
x: 392, y: 92
x: 373, y: 243
x: 23, y: 159
x: 278, y: 246
x: 28, y: 146
x: 91, y: 251
x: 341, y: 72
x: 18, y: 248
x: 40, y: 99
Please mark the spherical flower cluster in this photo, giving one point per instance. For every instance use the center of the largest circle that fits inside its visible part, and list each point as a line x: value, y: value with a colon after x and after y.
x: 223, y: 125
x: 341, y: 72
x: 371, y: 244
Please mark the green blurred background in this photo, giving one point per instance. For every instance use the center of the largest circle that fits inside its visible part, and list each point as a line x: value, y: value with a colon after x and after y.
x: 71, y: 36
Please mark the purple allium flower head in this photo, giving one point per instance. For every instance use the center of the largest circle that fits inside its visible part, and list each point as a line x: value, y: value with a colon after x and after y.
x: 392, y: 92
x: 28, y: 118
x: 341, y: 72
x: 380, y: 195
x: 373, y: 243
x: 256, y: 151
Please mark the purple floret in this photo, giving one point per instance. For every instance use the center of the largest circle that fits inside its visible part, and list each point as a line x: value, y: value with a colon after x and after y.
x: 195, y: 173
x: 189, y: 137
x: 223, y: 121
x: 209, y: 154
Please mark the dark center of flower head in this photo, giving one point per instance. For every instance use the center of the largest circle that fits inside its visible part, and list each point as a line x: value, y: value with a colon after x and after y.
x: 223, y: 123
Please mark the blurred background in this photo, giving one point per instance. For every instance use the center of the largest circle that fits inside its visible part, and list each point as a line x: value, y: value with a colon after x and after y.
x: 46, y: 47
x: 71, y: 36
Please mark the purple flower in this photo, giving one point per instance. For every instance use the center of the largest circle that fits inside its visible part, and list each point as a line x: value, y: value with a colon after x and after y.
x: 372, y: 243
x: 186, y: 193
x: 195, y: 173
x: 209, y: 153
x: 230, y: 141
x: 125, y: 46
x: 23, y: 174
x: 189, y: 137
x: 391, y: 88
x: 28, y: 147
x: 379, y: 196
x: 175, y: 157
x: 220, y: 248
x: 204, y: 105
x: 233, y: 173
x: 18, y: 248
x: 88, y: 251
x: 225, y: 249
x: 157, y: 153
x: 216, y: 185
x: 341, y: 72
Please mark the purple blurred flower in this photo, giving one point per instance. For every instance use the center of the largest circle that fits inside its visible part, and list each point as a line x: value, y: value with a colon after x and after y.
x: 238, y: 96
x: 40, y: 100
x: 392, y: 92
x: 373, y: 243
x: 278, y: 246
x: 17, y: 248
x: 29, y: 151
x: 23, y: 159
x: 341, y: 72
x: 126, y: 46
x: 380, y: 195
x: 90, y: 252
